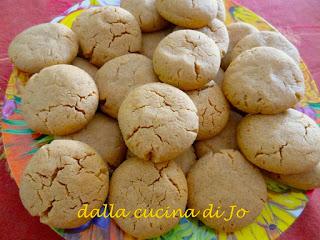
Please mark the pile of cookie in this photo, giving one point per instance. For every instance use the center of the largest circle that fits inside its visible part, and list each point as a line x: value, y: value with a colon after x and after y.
x: 196, y: 135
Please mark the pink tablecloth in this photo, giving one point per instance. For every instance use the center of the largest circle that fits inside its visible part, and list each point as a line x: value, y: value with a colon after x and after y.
x: 299, y: 20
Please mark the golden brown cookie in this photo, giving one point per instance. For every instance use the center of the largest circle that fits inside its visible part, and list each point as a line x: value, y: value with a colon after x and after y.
x: 43, y: 45
x: 213, y: 110
x: 186, y: 59
x: 106, y: 33
x: 221, y: 13
x: 103, y: 134
x: 59, y: 179
x: 267, y: 39
x: 217, y: 31
x: 305, y: 181
x: 285, y: 143
x: 146, y: 13
x: 219, y: 78
x: 263, y: 80
x: 226, y: 139
x: 188, y: 13
x: 236, y: 32
x: 150, y: 41
x: 158, y: 122
x: 85, y: 65
x: 120, y: 75
x: 226, y: 179
x: 59, y: 100
x: 137, y: 184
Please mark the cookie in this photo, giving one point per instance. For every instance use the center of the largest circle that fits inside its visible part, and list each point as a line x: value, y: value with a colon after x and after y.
x: 146, y: 13
x: 59, y: 100
x: 103, y: 134
x: 106, y: 33
x: 226, y: 139
x: 263, y: 80
x: 150, y: 187
x: 236, y: 32
x: 305, y: 181
x: 189, y: 14
x: 43, y: 45
x: 186, y: 59
x: 219, y: 78
x: 158, y: 122
x: 213, y: 110
x: 284, y: 143
x: 150, y: 41
x: 59, y: 179
x: 217, y: 31
x: 85, y: 65
x: 221, y: 12
x: 122, y: 74
x: 267, y: 39
x: 226, y: 179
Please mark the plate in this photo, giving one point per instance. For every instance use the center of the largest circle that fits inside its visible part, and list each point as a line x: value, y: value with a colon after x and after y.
x: 284, y: 204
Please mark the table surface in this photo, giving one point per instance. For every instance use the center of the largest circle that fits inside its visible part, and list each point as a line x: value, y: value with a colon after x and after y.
x: 298, y: 20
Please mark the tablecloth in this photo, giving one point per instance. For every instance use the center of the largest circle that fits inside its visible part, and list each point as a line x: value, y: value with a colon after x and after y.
x: 297, y: 19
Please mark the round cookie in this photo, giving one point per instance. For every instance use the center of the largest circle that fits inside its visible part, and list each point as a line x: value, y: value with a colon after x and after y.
x: 146, y: 13
x: 213, y: 110
x: 285, y: 143
x: 186, y: 13
x: 59, y: 100
x: 59, y: 179
x: 305, y: 181
x: 217, y: 31
x: 219, y: 78
x: 120, y: 75
x: 106, y: 33
x: 226, y: 139
x: 263, y: 80
x: 226, y: 179
x: 267, y: 39
x: 185, y: 160
x: 86, y: 66
x: 158, y: 122
x: 103, y: 134
x: 221, y: 13
x: 236, y: 32
x: 150, y: 41
x: 186, y: 59
x: 150, y: 187
x: 43, y: 45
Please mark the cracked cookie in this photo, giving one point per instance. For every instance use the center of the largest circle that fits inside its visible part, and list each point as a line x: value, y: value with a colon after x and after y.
x: 188, y: 13
x: 226, y: 139
x: 146, y: 13
x: 217, y: 31
x: 138, y: 184
x: 267, y: 39
x: 236, y: 32
x: 305, y: 181
x: 226, y: 179
x: 85, y: 65
x: 221, y: 12
x: 150, y: 41
x: 103, y: 134
x: 185, y: 160
x: 59, y: 100
x: 158, y: 122
x: 106, y: 33
x: 213, y: 110
x: 59, y: 179
x: 263, y: 80
x: 286, y: 143
x: 43, y: 45
x: 120, y: 75
x: 186, y: 59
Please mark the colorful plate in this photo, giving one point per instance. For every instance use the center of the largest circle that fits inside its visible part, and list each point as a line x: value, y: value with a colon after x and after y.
x: 284, y: 204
